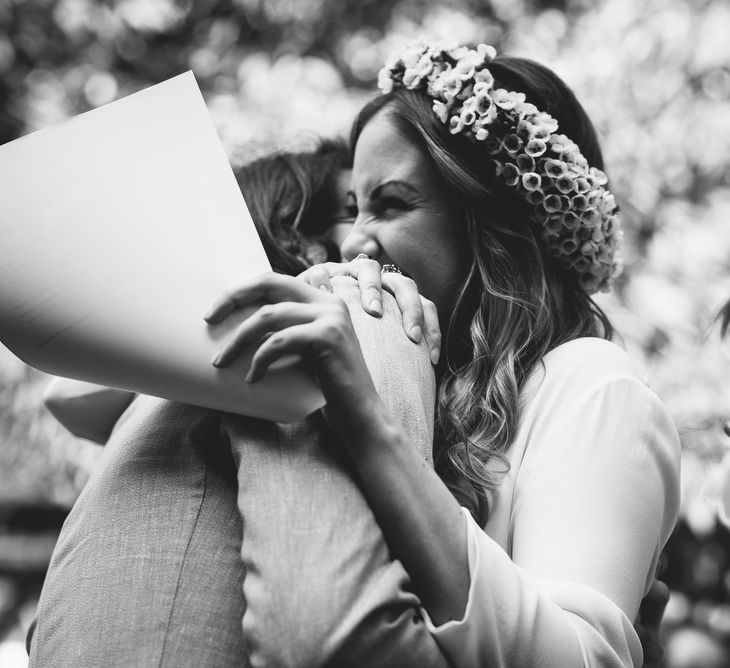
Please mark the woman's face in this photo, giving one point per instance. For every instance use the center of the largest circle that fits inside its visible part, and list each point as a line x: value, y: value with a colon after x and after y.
x: 404, y: 216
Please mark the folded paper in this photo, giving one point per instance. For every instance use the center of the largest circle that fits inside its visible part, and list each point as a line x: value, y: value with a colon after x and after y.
x: 120, y: 227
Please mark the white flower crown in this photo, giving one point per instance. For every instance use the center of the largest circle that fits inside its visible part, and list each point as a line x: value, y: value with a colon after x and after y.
x: 576, y: 212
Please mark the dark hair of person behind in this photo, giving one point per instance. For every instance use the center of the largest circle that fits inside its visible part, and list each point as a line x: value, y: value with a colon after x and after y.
x: 516, y: 304
x: 292, y: 197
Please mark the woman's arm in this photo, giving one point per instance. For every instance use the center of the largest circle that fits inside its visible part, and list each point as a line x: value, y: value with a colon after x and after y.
x: 322, y: 587
x: 574, y: 583
x: 595, y: 500
x: 419, y: 517
x: 86, y: 410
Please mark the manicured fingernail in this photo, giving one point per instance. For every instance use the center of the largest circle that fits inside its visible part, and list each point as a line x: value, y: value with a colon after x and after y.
x: 416, y: 333
x: 435, y: 355
x: 217, y: 360
x: 253, y: 375
x: 376, y: 306
x: 325, y: 288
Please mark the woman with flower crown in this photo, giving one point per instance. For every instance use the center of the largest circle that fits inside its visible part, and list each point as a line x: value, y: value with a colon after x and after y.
x: 478, y: 179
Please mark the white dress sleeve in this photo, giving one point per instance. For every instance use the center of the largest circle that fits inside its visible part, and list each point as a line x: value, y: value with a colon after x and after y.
x: 86, y: 410
x: 594, y: 502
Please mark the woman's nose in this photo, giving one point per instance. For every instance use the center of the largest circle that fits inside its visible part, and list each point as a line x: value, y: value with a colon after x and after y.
x: 357, y: 241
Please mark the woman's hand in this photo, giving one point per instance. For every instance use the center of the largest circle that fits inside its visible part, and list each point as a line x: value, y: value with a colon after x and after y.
x: 420, y: 317
x: 299, y: 319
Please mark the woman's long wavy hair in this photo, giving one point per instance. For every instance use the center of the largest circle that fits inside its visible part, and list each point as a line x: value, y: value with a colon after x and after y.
x: 515, y: 303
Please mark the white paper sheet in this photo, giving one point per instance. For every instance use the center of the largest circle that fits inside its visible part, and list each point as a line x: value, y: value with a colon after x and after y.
x: 118, y: 230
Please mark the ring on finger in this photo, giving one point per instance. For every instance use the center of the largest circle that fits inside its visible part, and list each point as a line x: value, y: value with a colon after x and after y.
x: 390, y: 269
x: 362, y: 256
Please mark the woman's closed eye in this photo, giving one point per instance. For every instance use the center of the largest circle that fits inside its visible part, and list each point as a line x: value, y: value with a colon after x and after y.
x: 393, y: 204
x: 386, y: 200
x: 393, y: 198
x: 379, y: 207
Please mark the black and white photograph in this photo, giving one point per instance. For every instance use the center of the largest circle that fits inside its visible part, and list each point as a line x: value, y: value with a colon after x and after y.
x: 364, y: 334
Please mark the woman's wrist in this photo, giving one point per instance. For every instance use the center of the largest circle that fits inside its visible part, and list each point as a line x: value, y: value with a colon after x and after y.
x: 372, y: 433
x: 421, y: 521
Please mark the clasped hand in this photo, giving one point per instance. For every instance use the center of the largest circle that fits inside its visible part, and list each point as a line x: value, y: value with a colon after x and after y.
x: 303, y: 316
x: 420, y: 317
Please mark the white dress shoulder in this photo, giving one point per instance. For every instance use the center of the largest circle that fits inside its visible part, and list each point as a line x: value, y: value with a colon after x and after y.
x: 577, y: 525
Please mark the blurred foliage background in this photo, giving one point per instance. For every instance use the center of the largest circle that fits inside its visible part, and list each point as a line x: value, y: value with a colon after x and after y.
x: 653, y: 74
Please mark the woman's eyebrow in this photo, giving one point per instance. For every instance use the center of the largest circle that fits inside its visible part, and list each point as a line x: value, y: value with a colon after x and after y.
x: 399, y: 187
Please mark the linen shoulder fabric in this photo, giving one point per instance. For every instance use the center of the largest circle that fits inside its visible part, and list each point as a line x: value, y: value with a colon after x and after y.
x: 147, y: 570
x: 571, y: 546
x: 321, y: 587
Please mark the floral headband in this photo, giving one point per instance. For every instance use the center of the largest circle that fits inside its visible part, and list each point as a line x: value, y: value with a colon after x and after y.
x: 568, y: 198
